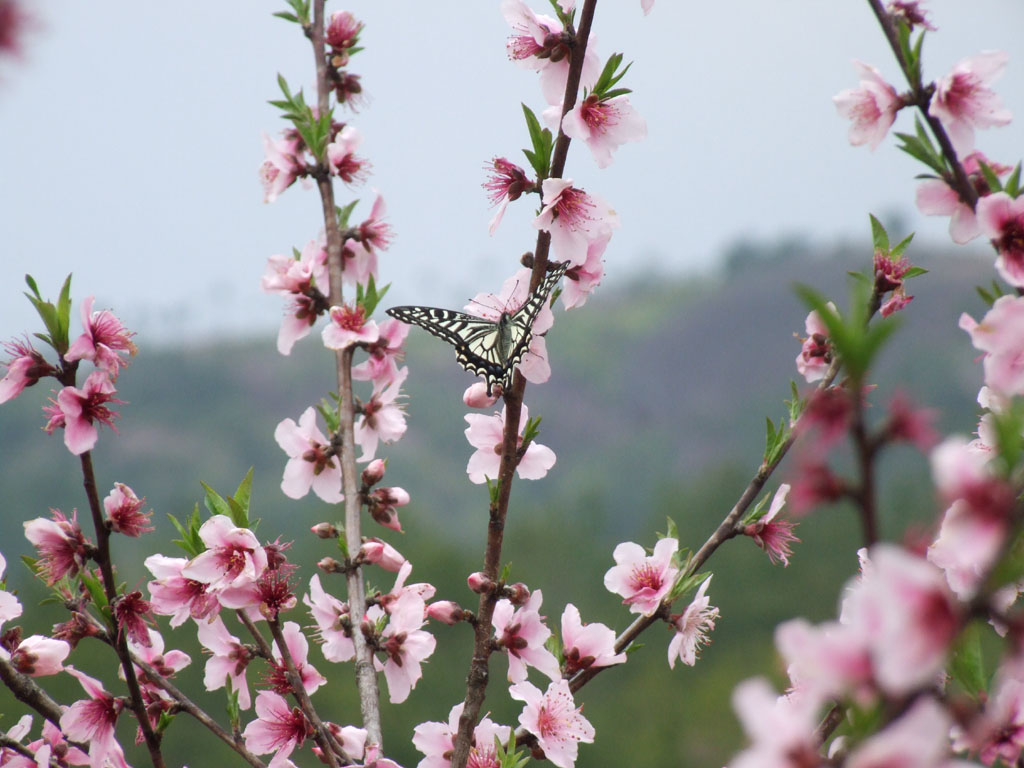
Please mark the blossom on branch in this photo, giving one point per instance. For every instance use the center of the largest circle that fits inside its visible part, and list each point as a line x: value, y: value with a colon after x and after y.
x: 554, y: 719
x: 437, y: 740
x: 692, y: 627
x: 642, y: 580
x: 871, y: 107
x: 278, y: 729
x: 486, y: 434
x: 963, y: 100
x: 574, y: 219
x: 79, y: 410
x: 604, y: 125
x: 24, y: 369
x: 521, y: 633
x: 587, y: 645
x: 1001, y: 218
x: 311, y: 463
x: 103, y: 340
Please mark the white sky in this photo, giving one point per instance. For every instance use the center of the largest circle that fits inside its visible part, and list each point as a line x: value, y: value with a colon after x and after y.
x: 131, y: 142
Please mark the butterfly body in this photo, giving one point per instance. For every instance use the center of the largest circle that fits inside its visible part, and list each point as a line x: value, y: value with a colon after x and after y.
x: 487, y: 348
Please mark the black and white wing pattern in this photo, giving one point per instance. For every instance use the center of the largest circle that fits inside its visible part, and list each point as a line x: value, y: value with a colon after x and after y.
x: 485, y: 347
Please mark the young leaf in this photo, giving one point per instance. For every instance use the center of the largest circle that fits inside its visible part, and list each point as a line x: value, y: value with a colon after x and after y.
x: 967, y: 666
x: 214, y: 502
x: 879, y: 236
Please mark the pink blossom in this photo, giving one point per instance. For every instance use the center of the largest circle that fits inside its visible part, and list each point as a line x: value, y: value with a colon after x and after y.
x: 166, y: 664
x: 132, y: 614
x: 298, y: 273
x: 446, y: 611
x: 437, y: 740
x: 485, y: 433
x: 77, y: 409
x: 124, y: 513
x: 935, y: 197
x: 10, y: 608
x: 815, y: 484
x: 281, y: 167
x: 580, y: 281
x: 37, y: 656
x: 872, y: 107
x: 175, y: 595
x: 343, y: 31
x: 349, y: 326
x: 521, y: 634
x: 341, y: 158
x: 1002, y: 218
x: 815, y: 354
x: 63, y: 549
x: 781, y: 728
x: 92, y: 721
x: 103, y: 340
x: 515, y: 292
x: 406, y: 645
x: 375, y: 234
x: 962, y: 471
x: 234, y: 557
x: 963, y: 101
x: 298, y: 649
x: 586, y: 645
x: 382, y: 364
x: 54, y: 743
x: 381, y: 553
x: 24, y: 369
x: 1000, y: 335
x: 476, y: 396
x: 966, y: 547
x: 903, y: 606
x: 228, y: 660
x: 771, y: 534
x: 911, y: 424
x: 554, y: 719
x: 506, y: 183
x: 373, y: 473
x: 278, y: 728
x: 383, y: 418
x: 642, y: 580
x: 311, y: 462
x: 692, y: 627
x: 998, y: 732
x: 646, y: 5
x: 917, y: 739
x: 604, y: 124
x: 574, y: 219
x: 909, y: 12
x: 420, y: 589
x: 826, y: 661
x: 889, y: 273
x: 382, y: 506
x: 328, y: 613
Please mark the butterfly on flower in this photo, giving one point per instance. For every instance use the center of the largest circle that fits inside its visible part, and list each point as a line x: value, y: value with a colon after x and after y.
x: 488, y: 348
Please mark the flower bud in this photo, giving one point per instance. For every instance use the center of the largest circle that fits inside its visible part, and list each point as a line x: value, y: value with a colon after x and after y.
x: 374, y: 472
x: 325, y: 530
x: 383, y: 554
x: 330, y: 565
x: 476, y: 396
x: 479, y: 583
x: 517, y: 593
x: 446, y: 612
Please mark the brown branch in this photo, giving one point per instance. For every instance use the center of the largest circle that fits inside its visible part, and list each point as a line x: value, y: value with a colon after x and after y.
x: 366, y: 676
x: 120, y: 643
x: 27, y: 692
x: 477, y: 678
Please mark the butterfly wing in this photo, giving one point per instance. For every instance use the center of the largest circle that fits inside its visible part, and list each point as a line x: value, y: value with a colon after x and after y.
x: 474, y: 338
x: 478, y: 343
x: 521, y: 321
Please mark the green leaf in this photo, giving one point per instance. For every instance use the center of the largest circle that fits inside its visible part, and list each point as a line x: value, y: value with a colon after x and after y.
x: 506, y: 573
x: 343, y: 542
x: 64, y: 315
x: 190, y: 540
x: 232, y: 708
x: 900, y: 247
x: 493, y: 490
x: 95, y: 589
x: 991, y: 177
x: 672, y: 532
x: 243, y: 495
x: 541, y: 141
x: 914, y: 272
x: 32, y: 284
x: 879, y: 236
x: 530, y: 431
x: 967, y: 665
x: 345, y: 213
x: 1012, y: 186
x: 165, y: 721
x: 286, y: 16
x: 214, y: 502
x: 987, y: 297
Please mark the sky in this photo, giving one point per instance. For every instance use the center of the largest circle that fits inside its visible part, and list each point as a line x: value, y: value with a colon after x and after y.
x: 132, y: 141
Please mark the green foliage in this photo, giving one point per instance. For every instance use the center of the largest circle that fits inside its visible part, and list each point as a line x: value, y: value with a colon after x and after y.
x: 344, y: 213
x: 235, y: 507
x: 967, y: 664
x: 604, y: 88
x: 541, y: 141
x: 315, y: 131
x: 370, y: 297
x: 56, y: 318
x: 507, y: 755
x: 990, y: 296
x: 189, y: 541
x: 919, y: 146
x: 300, y: 15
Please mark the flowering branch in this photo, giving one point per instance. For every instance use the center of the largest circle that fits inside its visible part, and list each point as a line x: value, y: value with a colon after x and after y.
x: 510, y: 455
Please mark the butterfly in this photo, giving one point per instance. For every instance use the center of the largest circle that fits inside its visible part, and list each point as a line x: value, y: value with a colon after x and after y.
x: 488, y: 348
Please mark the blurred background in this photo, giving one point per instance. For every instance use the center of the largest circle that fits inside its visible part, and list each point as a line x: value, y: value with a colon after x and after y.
x: 132, y: 143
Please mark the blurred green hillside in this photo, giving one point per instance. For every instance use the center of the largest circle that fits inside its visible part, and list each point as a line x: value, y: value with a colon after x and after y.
x: 656, y: 408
